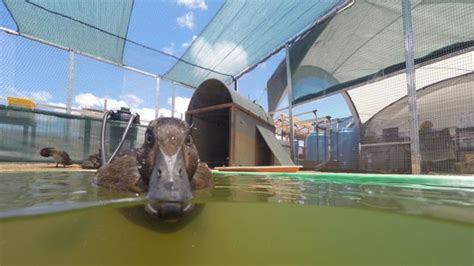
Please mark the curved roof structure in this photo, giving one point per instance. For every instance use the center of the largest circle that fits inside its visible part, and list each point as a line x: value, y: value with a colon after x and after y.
x: 456, y: 95
x: 214, y: 92
x: 369, y: 99
x: 361, y: 51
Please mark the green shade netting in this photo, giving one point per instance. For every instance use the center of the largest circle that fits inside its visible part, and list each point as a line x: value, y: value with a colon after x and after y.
x: 365, y: 42
x: 83, y: 25
x: 242, y: 33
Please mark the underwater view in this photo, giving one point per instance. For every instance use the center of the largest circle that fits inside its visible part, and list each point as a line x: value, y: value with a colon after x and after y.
x: 60, y: 218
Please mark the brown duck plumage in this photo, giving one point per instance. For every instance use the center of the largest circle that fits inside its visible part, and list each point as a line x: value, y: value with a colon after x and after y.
x: 60, y: 156
x: 167, y: 167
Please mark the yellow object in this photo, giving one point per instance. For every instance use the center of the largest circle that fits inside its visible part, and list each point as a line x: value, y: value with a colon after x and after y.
x: 23, y: 102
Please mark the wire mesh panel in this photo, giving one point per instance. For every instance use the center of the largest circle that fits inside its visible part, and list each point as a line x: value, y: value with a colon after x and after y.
x: 24, y: 133
x: 360, y: 54
x: 32, y: 70
x: 34, y: 91
x: 446, y: 106
x: 65, y: 87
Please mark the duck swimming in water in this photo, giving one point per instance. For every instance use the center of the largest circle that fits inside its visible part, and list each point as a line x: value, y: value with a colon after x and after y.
x: 166, y: 167
x: 60, y: 156
x: 92, y: 162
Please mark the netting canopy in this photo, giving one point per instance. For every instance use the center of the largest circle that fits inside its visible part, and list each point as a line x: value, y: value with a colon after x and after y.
x: 365, y: 43
x: 242, y: 33
x: 97, y: 28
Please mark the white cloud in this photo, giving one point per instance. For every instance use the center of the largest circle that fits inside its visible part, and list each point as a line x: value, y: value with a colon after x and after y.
x: 169, y: 49
x: 132, y: 99
x: 186, y: 21
x: 209, y: 55
x: 41, y: 96
x: 187, y: 44
x: 146, y: 114
x: 181, y: 106
x: 113, y: 104
x: 59, y: 110
x: 57, y: 104
x: 193, y: 4
x: 88, y: 100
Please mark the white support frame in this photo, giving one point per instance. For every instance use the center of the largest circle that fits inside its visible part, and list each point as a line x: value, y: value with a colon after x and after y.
x: 157, y: 91
x: 70, y: 81
x: 173, y: 98
x: 290, y: 105
x: 411, y: 89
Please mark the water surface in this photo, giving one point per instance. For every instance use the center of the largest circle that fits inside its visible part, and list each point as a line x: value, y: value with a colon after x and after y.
x: 60, y: 218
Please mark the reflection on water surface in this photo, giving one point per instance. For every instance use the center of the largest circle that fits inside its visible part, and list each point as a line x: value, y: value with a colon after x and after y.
x: 25, y: 193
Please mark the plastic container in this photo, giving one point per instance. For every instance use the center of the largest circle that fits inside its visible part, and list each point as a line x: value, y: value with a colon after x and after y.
x: 348, y: 148
x: 316, y: 147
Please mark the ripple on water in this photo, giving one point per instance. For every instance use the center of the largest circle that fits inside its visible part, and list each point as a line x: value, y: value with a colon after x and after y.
x: 32, y: 193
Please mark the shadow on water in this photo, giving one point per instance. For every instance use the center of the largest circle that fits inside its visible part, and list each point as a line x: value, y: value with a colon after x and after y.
x: 139, y: 216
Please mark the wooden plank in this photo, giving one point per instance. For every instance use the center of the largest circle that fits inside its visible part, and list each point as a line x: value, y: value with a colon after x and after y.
x: 275, y: 146
x: 209, y: 108
x: 41, y: 166
x: 279, y: 168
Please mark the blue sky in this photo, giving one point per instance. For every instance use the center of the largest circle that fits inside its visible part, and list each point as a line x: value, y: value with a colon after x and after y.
x: 37, y: 71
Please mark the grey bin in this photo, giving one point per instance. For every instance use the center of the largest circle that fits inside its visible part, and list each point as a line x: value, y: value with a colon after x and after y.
x: 115, y: 130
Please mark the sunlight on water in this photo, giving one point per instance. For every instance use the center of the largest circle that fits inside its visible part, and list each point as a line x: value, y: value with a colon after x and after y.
x: 244, y: 220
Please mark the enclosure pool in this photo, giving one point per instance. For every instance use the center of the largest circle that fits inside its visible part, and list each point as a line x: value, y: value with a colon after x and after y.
x: 59, y: 218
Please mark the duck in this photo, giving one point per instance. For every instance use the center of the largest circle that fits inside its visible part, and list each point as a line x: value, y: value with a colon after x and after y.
x: 166, y: 167
x: 92, y: 162
x: 60, y: 156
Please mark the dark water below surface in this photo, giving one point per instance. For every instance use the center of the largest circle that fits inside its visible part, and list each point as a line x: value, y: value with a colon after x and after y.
x: 60, y: 218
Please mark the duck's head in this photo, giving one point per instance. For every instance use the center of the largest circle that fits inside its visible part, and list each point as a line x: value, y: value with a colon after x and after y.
x: 46, y: 152
x: 167, y: 162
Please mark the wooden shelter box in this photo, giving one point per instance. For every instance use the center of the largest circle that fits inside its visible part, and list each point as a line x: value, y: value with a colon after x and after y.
x: 230, y: 130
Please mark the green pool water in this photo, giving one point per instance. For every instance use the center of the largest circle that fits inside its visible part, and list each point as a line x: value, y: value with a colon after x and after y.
x: 59, y: 218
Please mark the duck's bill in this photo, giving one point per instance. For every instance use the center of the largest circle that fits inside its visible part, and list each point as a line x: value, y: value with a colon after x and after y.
x: 169, y: 211
x: 169, y: 181
x: 169, y: 190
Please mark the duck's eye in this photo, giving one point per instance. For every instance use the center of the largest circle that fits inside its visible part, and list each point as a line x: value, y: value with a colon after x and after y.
x: 148, y: 137
x: 188, y: 140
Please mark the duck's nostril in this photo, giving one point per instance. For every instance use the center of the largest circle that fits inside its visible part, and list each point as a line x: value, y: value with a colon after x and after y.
x: 169, y: 185
x: 180, y: 172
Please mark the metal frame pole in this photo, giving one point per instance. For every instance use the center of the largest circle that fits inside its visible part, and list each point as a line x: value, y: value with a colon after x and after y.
x: 316, y: 129
x: 173, y: 96
x: 290, y: 104
x: 329, y: 139
x: 157, y: 91
x: 70, y: 81
x: 411, y: 88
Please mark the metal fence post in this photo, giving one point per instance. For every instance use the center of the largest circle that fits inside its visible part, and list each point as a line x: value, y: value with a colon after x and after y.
x: 70, y: 80
x: 290, y: 103
x: 411, y: 87
x: 157, y: 91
